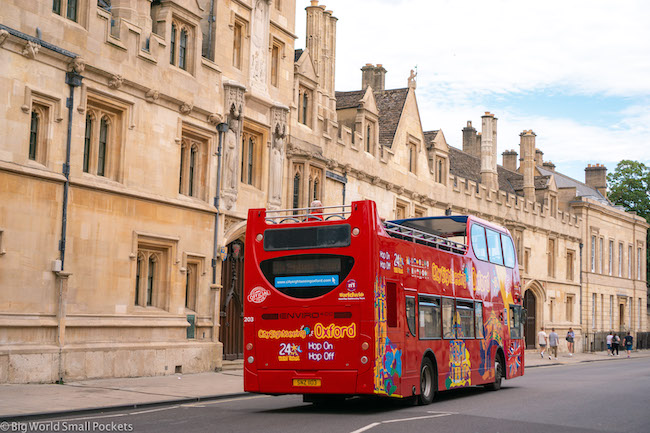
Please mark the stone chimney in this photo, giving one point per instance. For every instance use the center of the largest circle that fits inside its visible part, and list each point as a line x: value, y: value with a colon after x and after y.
x: 321, y: 43
x: 596, y: 177
x: 527, y: 165
x: 549, y: 166
x: 489, y: 151
x: 510, y: 160
x: 539, y: 157
x: 373, y: 76
x: 471, y: 140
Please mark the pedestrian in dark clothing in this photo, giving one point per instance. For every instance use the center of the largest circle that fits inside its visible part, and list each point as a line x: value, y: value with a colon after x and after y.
x: 616, y: 340
x: 629, y: 340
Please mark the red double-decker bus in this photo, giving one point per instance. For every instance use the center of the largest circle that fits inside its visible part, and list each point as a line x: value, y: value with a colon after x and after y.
x: 341, y: 303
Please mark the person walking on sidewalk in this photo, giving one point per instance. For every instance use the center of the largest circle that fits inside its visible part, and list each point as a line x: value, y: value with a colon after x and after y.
x: 570, y: 338
x: 541, y: 340
x: 553, y: 341
x: 629, y: 340
x: 610, y: 336
x: 616, y: 340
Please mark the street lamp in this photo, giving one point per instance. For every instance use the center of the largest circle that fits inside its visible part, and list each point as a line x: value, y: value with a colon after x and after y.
x: 221, y: 129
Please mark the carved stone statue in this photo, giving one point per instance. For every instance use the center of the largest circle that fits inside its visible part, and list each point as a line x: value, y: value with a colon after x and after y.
x: 230, y: 154
x: 412, y: 81
x: 277, y: 163
x: 259, y: 44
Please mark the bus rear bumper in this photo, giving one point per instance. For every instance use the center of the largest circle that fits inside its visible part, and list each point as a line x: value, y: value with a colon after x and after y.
x: 306, y: 382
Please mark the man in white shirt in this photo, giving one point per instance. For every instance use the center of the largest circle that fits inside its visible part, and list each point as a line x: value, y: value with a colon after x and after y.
x: 541, y: 340
x: 610, y: 336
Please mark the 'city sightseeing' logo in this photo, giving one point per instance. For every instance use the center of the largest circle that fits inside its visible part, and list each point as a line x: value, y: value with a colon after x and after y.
x: 258, y: 295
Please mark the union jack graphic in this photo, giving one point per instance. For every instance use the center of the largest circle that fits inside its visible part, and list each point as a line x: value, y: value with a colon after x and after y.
x: 514, y: 358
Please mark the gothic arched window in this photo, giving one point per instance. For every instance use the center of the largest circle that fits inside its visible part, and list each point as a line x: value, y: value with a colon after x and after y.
x: 104, y: 126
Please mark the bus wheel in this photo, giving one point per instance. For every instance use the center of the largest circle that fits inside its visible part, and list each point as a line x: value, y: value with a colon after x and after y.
x: 498, y: 376
x: 427, y: 382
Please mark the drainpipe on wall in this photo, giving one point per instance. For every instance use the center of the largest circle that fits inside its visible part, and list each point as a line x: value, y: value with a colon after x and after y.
x: 72, y: 79
x: 221, y: 129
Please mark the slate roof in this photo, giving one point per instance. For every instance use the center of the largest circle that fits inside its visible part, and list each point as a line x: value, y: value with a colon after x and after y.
x: 104, y: 4
x: 390, y: 104
x: 296, y: 55
x: 429, y: 136
x: 349, y: 99
x: 582, y: 190
x: 464, y: 165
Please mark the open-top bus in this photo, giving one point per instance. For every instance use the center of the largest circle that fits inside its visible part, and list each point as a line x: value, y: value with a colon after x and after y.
x: 342, y: 303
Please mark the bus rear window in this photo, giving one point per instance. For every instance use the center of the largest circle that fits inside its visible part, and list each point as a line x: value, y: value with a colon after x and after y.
x: 298, y: 238
x: 307, y: 275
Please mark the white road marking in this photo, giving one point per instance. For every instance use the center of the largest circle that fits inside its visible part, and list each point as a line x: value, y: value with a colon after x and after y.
x: 154, y: 410
x: 388, y: 421
x: 368, y: 427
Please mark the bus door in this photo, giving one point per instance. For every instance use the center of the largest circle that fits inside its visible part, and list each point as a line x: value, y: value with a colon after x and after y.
x: 411, y: 357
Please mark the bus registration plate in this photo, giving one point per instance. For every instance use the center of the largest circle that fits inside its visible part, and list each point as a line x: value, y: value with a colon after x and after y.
x: 306, y: 382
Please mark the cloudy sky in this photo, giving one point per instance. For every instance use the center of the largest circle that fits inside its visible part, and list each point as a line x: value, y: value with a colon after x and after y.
x: 576, y: 72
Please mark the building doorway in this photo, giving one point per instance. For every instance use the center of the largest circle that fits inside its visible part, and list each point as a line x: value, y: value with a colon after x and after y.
x: 231, y: 331
x: 621, y: 317
x: 530, y: 304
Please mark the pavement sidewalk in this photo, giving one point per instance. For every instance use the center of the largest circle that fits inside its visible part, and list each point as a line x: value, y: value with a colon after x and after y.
x: 22, y: 401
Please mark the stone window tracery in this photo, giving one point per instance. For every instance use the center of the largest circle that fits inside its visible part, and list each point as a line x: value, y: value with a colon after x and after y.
x: 180, y: 45
x: 297, y: 189
x: 237, y: 44
x: 152, y: 285
x: 193, y: 167
x: 66, y: 8
x: 39, y: 123
x: 315, y: 175
x: 251, y: 153
x: 304, y: 106
x: 148, y: 281
x: 103, y: 134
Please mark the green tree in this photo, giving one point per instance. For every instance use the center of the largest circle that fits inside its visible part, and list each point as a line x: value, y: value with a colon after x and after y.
x: 629, y: 186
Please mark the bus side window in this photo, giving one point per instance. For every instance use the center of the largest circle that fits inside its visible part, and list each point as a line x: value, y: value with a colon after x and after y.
x: 429, y: 308
x: 508, y: 251
x: 494, y: 247
x: 391, y: 304
x: 410, y: 314
x: 478, y: 319
x: 515, y: 321
x: 465, y: 312
x: 478, y: 242
x: 448, y: 318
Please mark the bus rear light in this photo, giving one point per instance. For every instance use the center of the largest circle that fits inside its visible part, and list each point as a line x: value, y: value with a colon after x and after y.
x: 259, y: 237
x: 355, y: 231
x: 249, y: 346
x: 364, y: 359
x: 365, y: 345
x: 250, y: 359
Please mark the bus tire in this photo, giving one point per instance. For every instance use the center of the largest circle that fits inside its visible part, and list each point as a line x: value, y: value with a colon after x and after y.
x: 498, y: 375
x: 427, y: 382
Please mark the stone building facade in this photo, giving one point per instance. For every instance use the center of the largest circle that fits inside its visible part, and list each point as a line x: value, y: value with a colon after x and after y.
x: 138, y: 133
x: 108, y: 265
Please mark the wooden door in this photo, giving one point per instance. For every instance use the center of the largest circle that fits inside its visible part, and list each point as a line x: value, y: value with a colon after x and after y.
x: 231, y: 331
x: 531, y: 325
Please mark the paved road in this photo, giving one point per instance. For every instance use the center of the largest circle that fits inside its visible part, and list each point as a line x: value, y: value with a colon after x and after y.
x: 587, y: 397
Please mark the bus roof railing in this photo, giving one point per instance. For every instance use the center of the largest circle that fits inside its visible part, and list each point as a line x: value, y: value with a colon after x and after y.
x: 420, y: 237
x: 307, y: 214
